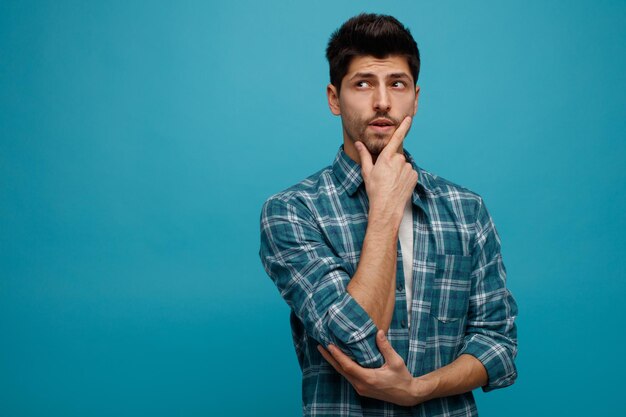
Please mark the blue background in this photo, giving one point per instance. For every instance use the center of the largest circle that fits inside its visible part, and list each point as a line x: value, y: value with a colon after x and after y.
x: 138, y: 141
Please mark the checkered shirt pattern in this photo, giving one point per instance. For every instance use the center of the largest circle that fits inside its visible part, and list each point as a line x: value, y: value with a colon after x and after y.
x: 311, y: 239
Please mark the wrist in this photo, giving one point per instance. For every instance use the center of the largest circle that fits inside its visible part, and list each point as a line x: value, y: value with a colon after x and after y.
x: 384, y: 219
x: 423, y: 389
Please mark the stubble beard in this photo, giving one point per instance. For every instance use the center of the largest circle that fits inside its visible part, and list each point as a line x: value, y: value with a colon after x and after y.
x: 375, y: 142
x: 356, y: 130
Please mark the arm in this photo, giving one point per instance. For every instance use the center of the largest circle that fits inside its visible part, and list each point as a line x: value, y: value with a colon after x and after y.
x: 486, y: 358
x: 312, y: 279
x: 334, y: 307
x: 491, y: 333
x: 373, y: 284
x: 388, y: 183
x: 394, y: 383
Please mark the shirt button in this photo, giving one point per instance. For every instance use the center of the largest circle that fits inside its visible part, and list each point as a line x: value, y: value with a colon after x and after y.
x: 400, y: 287
x: 403, y: 323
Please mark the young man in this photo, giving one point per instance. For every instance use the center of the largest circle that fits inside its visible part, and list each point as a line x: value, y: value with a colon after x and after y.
x: 393, y: 274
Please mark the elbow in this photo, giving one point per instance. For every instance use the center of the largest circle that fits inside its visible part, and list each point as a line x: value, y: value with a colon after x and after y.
x: 497, y: 356
x: 502, y: 371
x: 351, y: 329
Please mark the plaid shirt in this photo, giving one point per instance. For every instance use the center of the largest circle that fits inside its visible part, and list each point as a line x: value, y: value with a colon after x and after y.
x: 311, y: 239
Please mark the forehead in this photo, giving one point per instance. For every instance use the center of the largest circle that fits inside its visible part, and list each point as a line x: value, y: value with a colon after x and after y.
x: 391, y: 64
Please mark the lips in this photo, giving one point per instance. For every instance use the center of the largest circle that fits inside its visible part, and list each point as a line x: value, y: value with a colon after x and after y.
x: 381, y: 122
x: 382, y: 126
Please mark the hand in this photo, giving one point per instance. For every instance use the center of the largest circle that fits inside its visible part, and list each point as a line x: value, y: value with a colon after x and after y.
x: 390, y: 182
x: 391, y: 382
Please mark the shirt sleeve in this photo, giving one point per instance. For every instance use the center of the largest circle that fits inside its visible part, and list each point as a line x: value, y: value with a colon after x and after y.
x: 313, y: 280
x: 491, y: 333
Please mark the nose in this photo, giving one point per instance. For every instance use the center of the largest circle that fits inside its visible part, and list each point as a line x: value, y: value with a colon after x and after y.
x: 382, y: 101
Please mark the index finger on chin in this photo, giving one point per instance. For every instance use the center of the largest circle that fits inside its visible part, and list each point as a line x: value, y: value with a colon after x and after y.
x: 398, y: 137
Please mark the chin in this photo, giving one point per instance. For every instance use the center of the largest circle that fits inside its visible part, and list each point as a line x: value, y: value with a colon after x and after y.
x: 376, y: 148
x: 377, y: 144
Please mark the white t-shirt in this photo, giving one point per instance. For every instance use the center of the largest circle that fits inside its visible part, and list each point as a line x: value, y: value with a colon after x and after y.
x: 405, y: 234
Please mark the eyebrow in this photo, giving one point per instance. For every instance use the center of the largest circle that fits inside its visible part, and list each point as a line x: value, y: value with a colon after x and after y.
x: 397, y: 75
x: 369, y: 75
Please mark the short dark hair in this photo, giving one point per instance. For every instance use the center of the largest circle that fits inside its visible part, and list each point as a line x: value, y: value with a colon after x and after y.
x: 370, y: 34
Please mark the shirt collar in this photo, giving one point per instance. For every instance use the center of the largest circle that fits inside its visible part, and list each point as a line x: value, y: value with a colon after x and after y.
x: 348, y: 174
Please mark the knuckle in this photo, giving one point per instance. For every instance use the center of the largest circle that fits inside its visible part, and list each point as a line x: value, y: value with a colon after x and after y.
x: 396, y: 362
x: 399, y: 158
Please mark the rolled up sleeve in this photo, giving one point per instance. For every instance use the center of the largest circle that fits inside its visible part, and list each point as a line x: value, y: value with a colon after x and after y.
x: 491, y: 333
x: 313, y: 280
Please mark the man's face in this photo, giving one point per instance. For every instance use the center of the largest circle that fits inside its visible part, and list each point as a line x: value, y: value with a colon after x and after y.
x: 376, y: 95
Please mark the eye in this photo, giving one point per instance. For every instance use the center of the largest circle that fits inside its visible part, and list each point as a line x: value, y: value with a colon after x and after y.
x: 398, y: 84
x: 362, y: 84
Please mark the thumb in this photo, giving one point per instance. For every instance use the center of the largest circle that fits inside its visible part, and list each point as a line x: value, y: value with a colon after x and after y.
x: 366, y: 158
x: 390, y: 355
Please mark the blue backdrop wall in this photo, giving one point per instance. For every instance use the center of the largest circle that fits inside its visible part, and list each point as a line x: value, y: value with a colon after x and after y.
x: 138, y: 141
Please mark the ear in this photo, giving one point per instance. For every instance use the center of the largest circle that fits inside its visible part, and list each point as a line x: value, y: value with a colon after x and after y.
x: 417, y: 94
x: 333, y: 99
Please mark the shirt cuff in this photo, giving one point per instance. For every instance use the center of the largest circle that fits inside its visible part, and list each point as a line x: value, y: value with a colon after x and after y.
x: 354, y: 332
x: 495, y: 357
